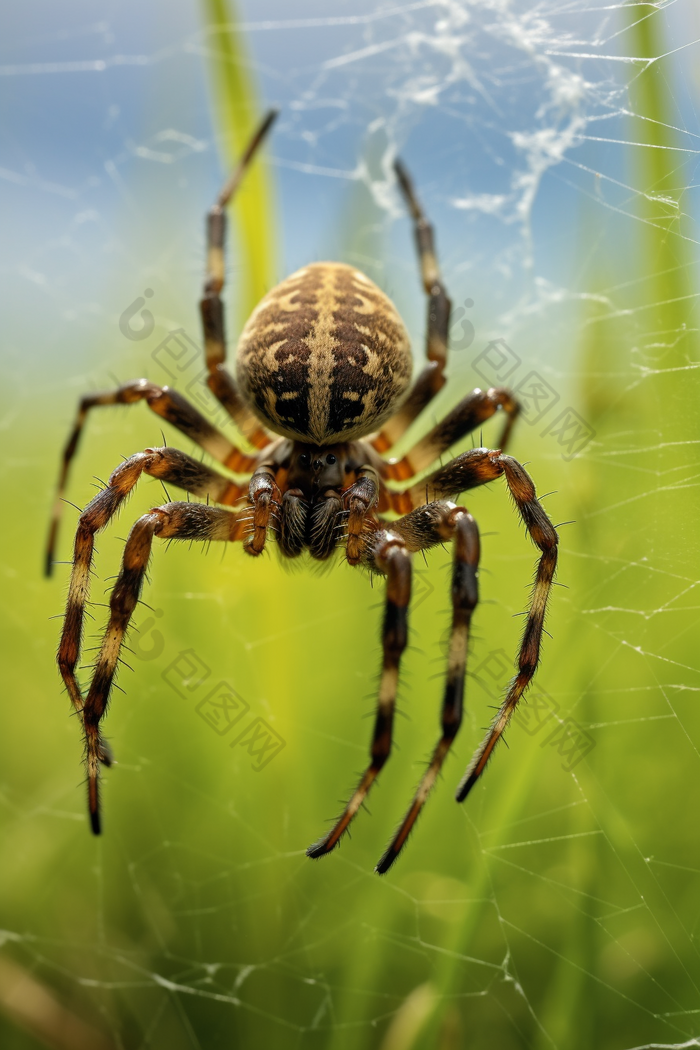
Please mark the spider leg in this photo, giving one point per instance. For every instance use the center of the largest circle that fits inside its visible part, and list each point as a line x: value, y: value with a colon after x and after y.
x: 545, y: 537
x: 359, y: 500
x: 219, y: 380
x: 474, y: 409
x: 419, y: 529
x: 386, y: 554
x: 445, y: 522
x: 432, y: 378
x: 169, y: 405
x: 477, y: 467
x: 466, y: 471
x: 172, y: 467
x: 469, y: 470
x: 265, y: 496
x: 192, y: 521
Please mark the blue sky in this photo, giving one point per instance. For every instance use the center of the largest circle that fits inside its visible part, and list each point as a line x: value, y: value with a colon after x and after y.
x: 109, y: 156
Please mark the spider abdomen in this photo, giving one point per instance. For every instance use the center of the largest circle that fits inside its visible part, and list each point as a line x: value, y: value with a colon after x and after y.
x: 324, y: 356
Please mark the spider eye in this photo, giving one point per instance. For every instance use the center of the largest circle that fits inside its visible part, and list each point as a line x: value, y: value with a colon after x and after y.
x: 304, y: 459
x: 330, y: 458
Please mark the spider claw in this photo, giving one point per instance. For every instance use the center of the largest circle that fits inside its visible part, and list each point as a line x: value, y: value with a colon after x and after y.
x: 386, y: 860
x: 321, y: 848
x: 94, y: 806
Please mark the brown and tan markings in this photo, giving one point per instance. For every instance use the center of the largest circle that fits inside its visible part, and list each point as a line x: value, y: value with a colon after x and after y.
x: 325, y: 356
x: 322, y: 389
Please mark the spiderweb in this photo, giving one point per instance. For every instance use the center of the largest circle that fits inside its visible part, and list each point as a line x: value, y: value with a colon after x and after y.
x: 554, y: 146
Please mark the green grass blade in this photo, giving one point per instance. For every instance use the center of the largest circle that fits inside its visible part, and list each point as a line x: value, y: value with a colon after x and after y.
x: 239, y: 112
x: 659, y: 171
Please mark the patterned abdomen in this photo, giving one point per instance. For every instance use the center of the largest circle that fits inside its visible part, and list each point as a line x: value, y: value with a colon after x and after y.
x: 324, y: 356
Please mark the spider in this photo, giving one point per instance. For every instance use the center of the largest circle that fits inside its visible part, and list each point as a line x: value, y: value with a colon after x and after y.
x: 322, y: 392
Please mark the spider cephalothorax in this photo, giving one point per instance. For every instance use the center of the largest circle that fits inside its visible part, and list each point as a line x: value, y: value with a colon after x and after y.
x: 321, y: 394
x: 314, y: 487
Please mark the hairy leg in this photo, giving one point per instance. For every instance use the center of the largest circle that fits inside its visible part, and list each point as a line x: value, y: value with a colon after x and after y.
x: 219, y: 380
x: 265, y: 498
x: 170, y: 406
x: 544, y: 535
x: 359, y: 500
x: 419, y: 529
x: 180, y: 521
x: 470, y: 413
x: 171, y: 466
x: 386, y: 554
x: 168, y: 403
x: 432, y: 378
x: 456, y: 524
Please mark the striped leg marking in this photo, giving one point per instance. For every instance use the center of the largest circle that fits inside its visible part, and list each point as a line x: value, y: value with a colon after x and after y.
x: 167, y: 404
x: 265, y: 497
x: 219, y: 381
x: 432, y: 378
x: 359, y: 500
x: 171, y: 466
x: 439, y: 305
x: 464, y: 418
x: 545, y: 537
x: 471, y: 469
x: 459, y: 525
x: 180, y: 521
x: 391, y: 558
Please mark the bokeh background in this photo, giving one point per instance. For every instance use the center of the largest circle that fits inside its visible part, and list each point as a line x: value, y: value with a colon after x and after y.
x: 555, y: 147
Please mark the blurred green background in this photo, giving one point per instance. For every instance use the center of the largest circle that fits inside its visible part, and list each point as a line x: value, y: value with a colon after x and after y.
x: 556, y: 151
